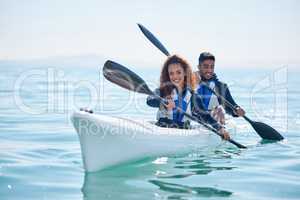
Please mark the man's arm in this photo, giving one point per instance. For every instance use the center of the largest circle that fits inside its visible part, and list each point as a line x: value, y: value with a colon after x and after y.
x: 238, y: 111
x: 199, y: 112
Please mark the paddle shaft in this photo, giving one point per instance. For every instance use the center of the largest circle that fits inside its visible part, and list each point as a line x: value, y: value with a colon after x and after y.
x: 226, y: 102
x: 260, y: 128
x: 271, y: 134
x: 163, y: 49
x: 200, y: 122
x: 219, y: 96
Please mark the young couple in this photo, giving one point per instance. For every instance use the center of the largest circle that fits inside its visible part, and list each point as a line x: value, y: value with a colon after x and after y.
x: 181, y: 88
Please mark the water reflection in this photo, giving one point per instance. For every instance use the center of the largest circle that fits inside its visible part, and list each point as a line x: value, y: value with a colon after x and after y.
x: 120, y: 182
x: 168, y: 180
x: 184, y: 189
x: 264, y: 141
x: 105, y: 185
x: 195, y: 164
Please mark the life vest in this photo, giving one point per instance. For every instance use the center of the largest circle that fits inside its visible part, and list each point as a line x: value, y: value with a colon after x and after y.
x: 183, y: 102
x: 210, y: 100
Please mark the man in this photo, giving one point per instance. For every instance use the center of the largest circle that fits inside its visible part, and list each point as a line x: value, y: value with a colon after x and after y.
x: 212, y: 103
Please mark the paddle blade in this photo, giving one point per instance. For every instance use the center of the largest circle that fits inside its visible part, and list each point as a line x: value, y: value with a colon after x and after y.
x: 125, y: 78
x: 265, y: 131
x: 153, y: 40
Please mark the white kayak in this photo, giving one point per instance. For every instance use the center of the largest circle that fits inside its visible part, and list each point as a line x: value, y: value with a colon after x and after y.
x: 106, y: 141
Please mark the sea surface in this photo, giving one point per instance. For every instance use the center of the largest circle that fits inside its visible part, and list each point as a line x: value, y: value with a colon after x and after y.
x: 40, y: 156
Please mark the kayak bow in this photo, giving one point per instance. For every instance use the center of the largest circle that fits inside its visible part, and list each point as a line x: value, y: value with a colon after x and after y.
x: 106, y: 141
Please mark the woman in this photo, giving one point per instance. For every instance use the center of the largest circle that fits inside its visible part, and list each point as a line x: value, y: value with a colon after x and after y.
x: 176, y: 90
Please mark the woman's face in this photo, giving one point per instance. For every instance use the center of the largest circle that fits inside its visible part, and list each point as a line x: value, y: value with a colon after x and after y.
x: 176, y: 74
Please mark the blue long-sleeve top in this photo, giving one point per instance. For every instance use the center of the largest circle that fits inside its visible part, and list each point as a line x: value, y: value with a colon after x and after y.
x: 197, y: 108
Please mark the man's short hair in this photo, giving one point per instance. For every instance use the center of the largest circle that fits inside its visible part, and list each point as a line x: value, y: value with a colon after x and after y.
x: 206, y: 56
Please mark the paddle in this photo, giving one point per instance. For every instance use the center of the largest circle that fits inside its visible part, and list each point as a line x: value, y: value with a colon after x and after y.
x: 153, y: 40
x: 127, y: 79
x: 263, y: 130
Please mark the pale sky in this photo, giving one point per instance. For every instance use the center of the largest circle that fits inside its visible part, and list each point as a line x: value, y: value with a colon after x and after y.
x: 256, y: 32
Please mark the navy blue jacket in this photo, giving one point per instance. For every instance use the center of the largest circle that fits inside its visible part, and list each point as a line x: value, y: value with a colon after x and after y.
x: 223, y: 90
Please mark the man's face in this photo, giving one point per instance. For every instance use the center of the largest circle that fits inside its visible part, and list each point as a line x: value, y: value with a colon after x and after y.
x: 207, y: 68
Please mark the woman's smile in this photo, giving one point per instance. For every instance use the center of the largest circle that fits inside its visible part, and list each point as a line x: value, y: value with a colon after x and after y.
x: 176, y: 75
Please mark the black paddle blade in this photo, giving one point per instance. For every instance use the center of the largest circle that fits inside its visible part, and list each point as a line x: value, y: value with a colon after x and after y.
x: 153, y: 39
x: 125, y: 78
x: 265, y: 131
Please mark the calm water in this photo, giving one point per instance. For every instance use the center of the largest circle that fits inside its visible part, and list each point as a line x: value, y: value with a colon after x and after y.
x: 40, y: 155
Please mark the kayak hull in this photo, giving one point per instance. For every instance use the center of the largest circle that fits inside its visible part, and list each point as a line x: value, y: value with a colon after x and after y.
x: 106, y: 141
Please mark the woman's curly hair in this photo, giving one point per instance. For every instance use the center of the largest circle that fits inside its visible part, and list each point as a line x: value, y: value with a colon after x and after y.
x: 166, y: 85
